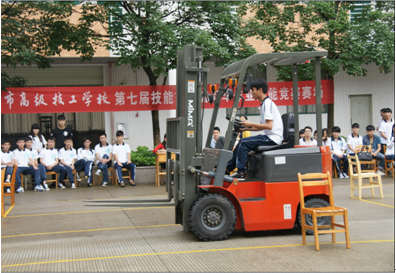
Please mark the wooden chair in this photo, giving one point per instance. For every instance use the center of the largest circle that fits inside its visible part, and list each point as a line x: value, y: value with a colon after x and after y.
x: 359, y: 175
x: 53, y: 180
x: 115, y: 180
x: 112, y: 170
x: 323, y: 180
x: 12, y: 187
x: 68, y: 180
x: 391, y: 168
x: 160, y: 157
x: 372, y: 165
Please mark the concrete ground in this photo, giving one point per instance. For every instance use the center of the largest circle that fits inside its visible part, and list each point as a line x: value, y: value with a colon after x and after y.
x: 54, y: 232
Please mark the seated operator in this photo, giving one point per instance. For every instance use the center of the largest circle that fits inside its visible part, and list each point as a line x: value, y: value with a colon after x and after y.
x: 270, y: 122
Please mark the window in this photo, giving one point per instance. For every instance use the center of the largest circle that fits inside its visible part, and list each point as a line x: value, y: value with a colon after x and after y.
x: 357, y: 8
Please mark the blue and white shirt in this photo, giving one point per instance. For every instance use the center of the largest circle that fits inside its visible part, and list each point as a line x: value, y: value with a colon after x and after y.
x: 22, y: 157
x: 88, y: 155
x: 337, y: 145
x: 6, y: 157
x: 103, y: 150
x: 68, y: 156
x: 49, y: 156
x: 122, y: 152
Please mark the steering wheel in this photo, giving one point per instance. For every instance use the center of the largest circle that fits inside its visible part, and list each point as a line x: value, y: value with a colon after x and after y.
x: 237, y: 124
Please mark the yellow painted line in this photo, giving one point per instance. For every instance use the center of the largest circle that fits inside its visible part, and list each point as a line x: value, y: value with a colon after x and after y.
x: 87, y: 211
x: 373, y: 202
x: 348, y: 186
x: 5, y: 215
x: 85, y: 230
x: 185, y: 252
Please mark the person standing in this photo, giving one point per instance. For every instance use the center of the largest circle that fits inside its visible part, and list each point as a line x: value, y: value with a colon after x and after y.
x: 38, y: 139
x: 385, y: 127
x: 61, y: 132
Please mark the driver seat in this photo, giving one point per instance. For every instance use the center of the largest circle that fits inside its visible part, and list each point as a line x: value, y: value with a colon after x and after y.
x: 288, y: 136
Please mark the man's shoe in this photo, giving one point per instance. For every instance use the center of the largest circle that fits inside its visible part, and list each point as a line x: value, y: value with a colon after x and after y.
x: 8, y: 190
x: 342, y: 175
x: 78, y: 177
x: 345, y: 175
x: 46, y: 187
x: 381, y: 173
x: 89, y: 185
x: 122, y: 184
x: 7, y: 181
x: 60, y: 185
x: 19, y: 190
x: 38, y: 188
x: 86, y: 177
x: 98, y: 172
x: 73, y: 186
x: 104, y: 184
x: 238, y: 175
x: 132, y: 183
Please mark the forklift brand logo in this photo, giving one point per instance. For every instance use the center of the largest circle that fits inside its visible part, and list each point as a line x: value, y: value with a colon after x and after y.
x: 190, y: 120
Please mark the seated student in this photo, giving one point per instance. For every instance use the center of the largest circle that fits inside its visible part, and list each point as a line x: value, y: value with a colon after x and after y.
x: 7, y: 162
x: 271, y: 124
x: 216, y: 134
x: 354, y: 140
x: 33, y: 152
x: 85, y: 159
x: 390, y: 149
x: 49, y: 163
x: 22, y: 157
x: 161, y: 147
x: 385, y: 127
x: 122, y: 159
x: 67, y: 157
x: 375, y: 142
x: 307, y: 140
x: 325, y: 137
x: 104, y: 154
x: 301, y: 132
x: 338, y: 147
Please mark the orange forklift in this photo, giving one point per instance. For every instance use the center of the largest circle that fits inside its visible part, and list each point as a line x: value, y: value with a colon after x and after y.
x: 211, y: 204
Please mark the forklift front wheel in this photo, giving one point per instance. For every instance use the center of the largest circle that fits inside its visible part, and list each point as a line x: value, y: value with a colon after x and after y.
x: 212, y: 217
x: 322, y: 221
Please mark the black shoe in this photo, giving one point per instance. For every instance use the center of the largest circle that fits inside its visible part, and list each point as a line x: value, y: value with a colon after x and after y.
x: 238, y: 175
x: 89, y: 185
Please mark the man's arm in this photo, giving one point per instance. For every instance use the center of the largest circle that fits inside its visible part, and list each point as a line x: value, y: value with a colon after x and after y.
x: 129, y: 158
x: 378, y: 150
x: 383, y: 134
x: 257, y: 126
x: 116, y: 159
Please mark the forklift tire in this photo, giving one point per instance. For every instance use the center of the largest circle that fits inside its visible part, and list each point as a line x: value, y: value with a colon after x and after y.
x: 212, y: 217
x: 312, y: 203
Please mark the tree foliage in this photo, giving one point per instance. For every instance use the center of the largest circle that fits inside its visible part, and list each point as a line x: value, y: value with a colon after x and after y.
x: 31, y: 32
x: 147, y: 35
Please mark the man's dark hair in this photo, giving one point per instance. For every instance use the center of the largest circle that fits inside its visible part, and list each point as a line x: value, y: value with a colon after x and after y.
x: 336, y: 129
x: 119, y: 133
x: 308, y: 127
x: 370, y: 128
x: 302, y: 131
x: 387, y: 110
x: 355, y: 125
x: 260, y: 83
x: 28, y: 139
x: 51, y: 138
x: 382, y: 110
x: 5, y: 141
x: 86, y: 138
x: 68, y: 138
x: 61, y: 117
x: 102, y: 134
x: 216, y: 129
x: 20, y: 138
x: 316, y: 131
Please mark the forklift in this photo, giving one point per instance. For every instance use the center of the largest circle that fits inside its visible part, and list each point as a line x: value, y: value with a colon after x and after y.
x: 211, y: 204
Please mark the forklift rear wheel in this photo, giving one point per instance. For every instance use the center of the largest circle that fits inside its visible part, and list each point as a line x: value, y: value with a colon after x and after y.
x: 322, y: 221
x: 212, y: 217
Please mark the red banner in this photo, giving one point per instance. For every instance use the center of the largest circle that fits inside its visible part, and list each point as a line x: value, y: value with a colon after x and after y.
x: 138, y: 98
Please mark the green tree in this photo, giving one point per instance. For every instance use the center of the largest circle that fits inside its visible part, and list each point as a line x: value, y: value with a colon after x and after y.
x: 325, y: 25
x: 147, y: 35
x: 31, y: 32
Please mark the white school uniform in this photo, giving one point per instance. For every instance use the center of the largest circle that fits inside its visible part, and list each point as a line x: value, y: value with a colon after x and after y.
x: 337, y: 145
x: 68, y: 156
x: 269, y: 111
x: 37, y: 144
x: 386, y: 127
x: 122, y: 152
x: 49, y: 156
x: 22, y: 157
x: 390, y: 147
x: 6, y: 157
x: 103, y: 150
x: 303, y: 142
x: 353, y: 141
x: 33, y: 153
x: 88, y: 155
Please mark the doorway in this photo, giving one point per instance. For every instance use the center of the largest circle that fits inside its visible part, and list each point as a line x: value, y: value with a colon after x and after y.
x: 361, y: 111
